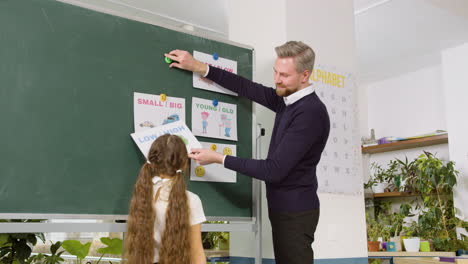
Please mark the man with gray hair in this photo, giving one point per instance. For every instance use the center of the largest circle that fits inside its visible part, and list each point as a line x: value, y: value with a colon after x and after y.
x: 300, y: 132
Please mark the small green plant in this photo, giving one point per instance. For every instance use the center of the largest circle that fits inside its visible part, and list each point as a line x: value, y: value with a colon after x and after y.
x: 76, y: 248
x: 215, y: 240
x: 374, y: 228
x: 52, y: 258
x: 397, y: 218
x: 381, y: 175
x: 114, y: 247
x: 411, y: 230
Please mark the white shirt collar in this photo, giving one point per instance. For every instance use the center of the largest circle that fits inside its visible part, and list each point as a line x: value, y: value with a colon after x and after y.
x: 291, y: 99
x: 165, y: 185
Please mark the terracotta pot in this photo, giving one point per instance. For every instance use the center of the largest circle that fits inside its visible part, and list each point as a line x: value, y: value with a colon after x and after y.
x: 373, y: 246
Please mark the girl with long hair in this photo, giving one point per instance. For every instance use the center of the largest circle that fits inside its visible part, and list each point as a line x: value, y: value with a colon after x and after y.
x: 164, y: 222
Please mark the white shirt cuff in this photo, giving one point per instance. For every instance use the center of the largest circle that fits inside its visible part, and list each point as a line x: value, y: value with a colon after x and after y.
x: 207, y: 70
x: 224, y: 158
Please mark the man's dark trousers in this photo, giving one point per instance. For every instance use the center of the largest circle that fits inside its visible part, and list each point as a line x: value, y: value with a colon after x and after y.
x: 293, y: 234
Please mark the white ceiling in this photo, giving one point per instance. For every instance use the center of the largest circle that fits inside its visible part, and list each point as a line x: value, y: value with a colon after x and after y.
x: 393, y: 36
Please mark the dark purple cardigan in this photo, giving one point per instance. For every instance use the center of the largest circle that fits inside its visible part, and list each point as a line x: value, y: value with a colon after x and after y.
x: 298, y: 139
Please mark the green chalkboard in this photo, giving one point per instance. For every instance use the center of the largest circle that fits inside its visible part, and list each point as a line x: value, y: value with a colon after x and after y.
x: 67, y: 77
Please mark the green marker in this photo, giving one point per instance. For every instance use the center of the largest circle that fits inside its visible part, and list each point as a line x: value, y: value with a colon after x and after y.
x: 167, y: 60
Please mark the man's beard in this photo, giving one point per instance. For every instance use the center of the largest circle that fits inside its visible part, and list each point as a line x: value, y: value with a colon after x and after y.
x: 284, y: 92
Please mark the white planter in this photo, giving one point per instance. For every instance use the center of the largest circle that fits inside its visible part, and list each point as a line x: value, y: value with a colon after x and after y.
x: 412, y: 244
x: 379, y: 187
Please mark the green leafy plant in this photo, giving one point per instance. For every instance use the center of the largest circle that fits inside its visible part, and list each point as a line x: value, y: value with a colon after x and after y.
x: 381, y: 175
x: 114, y: 247
x: 407, y: 175
x: 76, y: 248
x: 397, y: 218
x: 53, y: 258
x: 435, y: 182
x: 374, y: 228
x: 16, y: 247
x: 215, y: 240
x: 411, y: 230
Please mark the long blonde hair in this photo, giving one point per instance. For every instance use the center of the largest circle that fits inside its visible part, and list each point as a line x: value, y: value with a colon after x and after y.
x: 167, y: 155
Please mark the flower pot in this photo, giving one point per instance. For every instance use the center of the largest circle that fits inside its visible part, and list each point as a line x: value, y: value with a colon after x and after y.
x: 424, y: 246
x: 397, y: 241
x: 373, y: 246
x: 412, y: 244
x: 379, y: 187
x: 391, y: 247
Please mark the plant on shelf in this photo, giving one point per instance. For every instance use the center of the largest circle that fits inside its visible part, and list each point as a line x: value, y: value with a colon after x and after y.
x: 374, y: 229
x: 398, y: 218
x: 408, y: 172
x: 437, y: 219
x: 380, y: 177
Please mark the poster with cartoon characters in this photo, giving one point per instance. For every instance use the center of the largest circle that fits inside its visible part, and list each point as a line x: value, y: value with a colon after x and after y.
x: 214, y: 172
x: 145, y: 138
x: 218, y: 121
x: 152, y: 110
x: 215, y: 61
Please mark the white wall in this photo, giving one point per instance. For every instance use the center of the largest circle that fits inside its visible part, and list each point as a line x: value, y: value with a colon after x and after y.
x: 455, y: 82
x: 406, y: 105
x: 342, y: 222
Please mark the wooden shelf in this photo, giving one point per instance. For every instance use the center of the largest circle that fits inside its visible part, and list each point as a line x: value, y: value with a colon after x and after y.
x: 407, y: 144
x: 394, y: 194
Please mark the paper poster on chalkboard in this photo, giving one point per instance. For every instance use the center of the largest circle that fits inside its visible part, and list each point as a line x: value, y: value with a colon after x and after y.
x: 214, y: 61
x: 150, y: 110
x: 145, y: 138
x: 218, y: 121
x: 214, y: 172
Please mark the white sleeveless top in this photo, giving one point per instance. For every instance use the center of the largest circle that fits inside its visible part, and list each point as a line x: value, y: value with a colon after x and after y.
x: 197, y: 215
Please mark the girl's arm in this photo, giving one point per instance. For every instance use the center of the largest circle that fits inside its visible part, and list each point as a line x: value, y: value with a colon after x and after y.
x: 198, y: 254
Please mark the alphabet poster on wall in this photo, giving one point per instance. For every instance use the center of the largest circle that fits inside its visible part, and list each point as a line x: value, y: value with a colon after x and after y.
x: 145, y: 138
x: 215, y: 61
x: 214, y: 172
x: 214, y: 121
x: 150, y: 110
x: 339, y: 167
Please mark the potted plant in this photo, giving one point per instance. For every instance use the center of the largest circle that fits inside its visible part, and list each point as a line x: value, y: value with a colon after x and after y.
x: 407, y: 175
x: 435, y: 181
x: 373, y: 233
x: 380, y: 178
x: 411, y: 240
x: 397, y: 221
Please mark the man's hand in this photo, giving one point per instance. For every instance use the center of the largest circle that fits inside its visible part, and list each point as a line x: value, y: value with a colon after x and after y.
x: 206, y: 156
x: 184, y: 60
